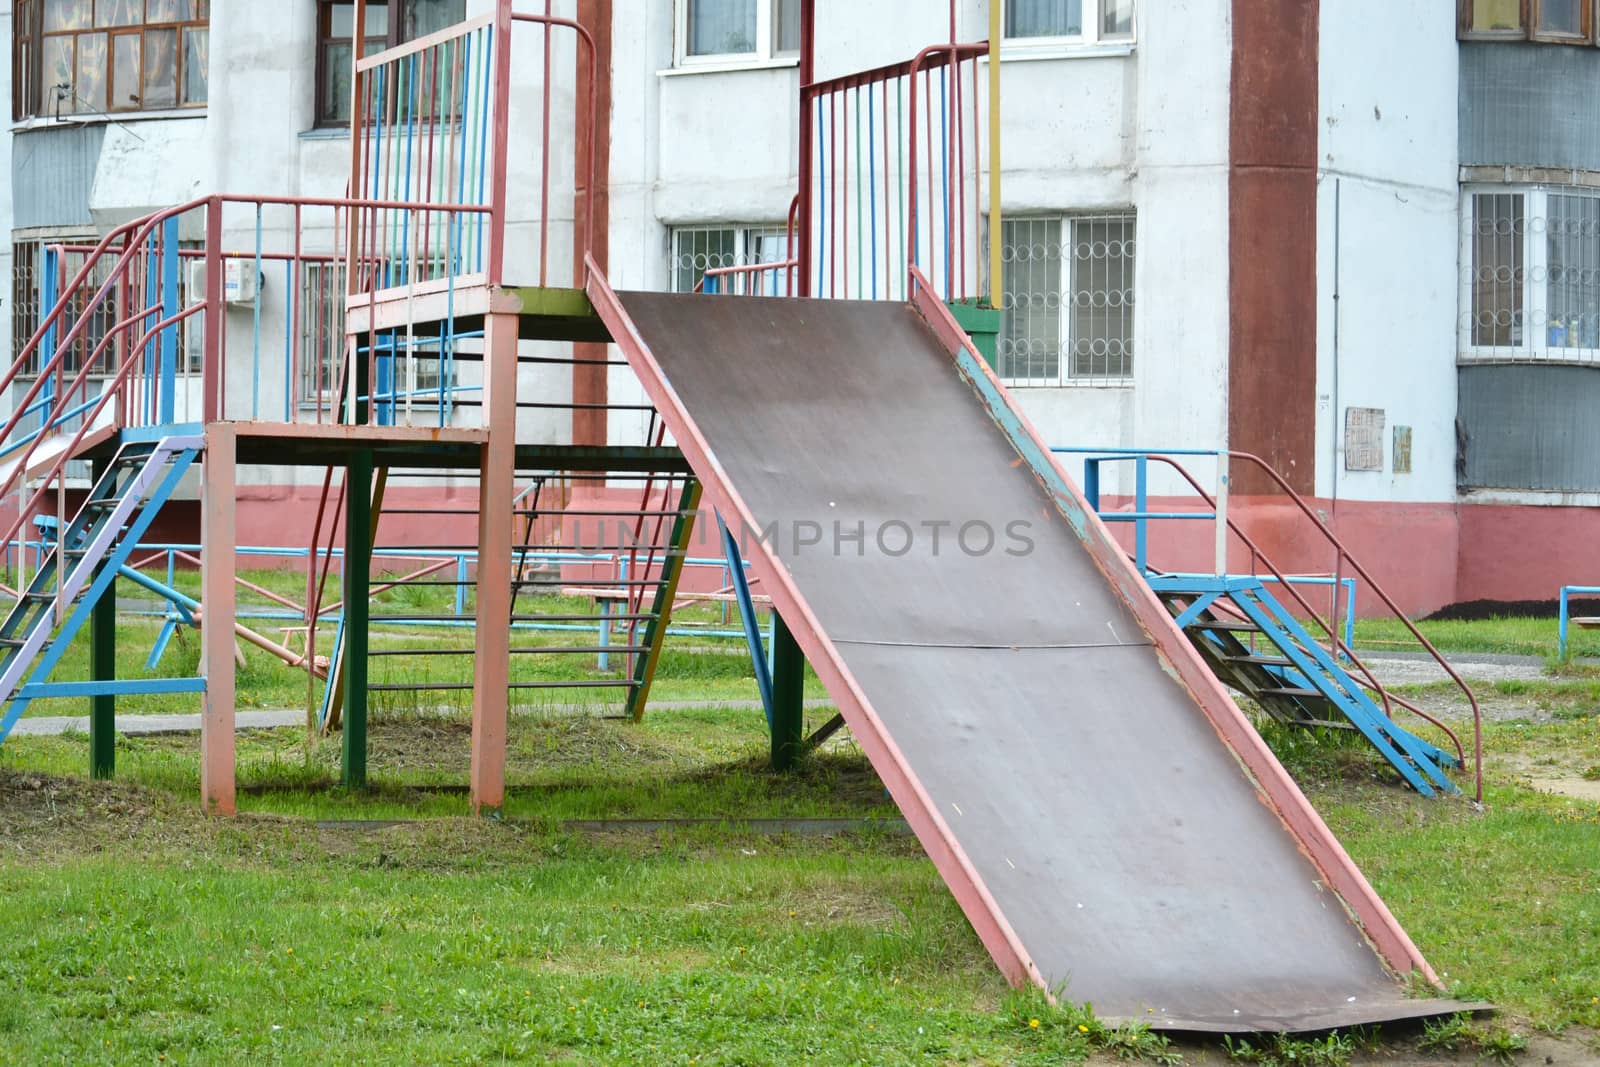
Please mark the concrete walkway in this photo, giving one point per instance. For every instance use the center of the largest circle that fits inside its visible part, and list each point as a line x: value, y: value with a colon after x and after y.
x: 178, y: 723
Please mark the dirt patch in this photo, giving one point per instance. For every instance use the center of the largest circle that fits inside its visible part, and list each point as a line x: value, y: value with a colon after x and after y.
x: 1574, y: 1048
x: 1576, y: 788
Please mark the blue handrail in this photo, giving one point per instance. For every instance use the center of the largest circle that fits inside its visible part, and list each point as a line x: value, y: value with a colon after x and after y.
x: 1566, y: 593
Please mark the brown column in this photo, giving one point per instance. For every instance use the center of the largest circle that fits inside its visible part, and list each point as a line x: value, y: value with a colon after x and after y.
x: 1272, y: 239
x: 589, y: 379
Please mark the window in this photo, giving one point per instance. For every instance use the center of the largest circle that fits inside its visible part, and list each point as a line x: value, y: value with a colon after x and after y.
x: 28, y: 308
x: 86, y: 57
x: 1067, y: 293
x: 26, y: 286
x: 1493, y: 17
x: 336, y: 23
x: 1532, y: 275
x: 1554, y: 21
x: 322, y: 345
x: 719, y: 30
x: 1079, y: 21
x: 1562, y: 19
x: 696, y: 250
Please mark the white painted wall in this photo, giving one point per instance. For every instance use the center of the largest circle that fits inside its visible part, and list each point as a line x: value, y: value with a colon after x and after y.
x: 1146, y: 129
x: 1389, y: 157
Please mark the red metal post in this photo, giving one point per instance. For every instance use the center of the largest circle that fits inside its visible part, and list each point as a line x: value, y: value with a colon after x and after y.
x: 218, y: 536
x: 500, y: 124
x: 491, y: 660
x: 216, y: 323
x: 801, y: 253
x: 592, y: 210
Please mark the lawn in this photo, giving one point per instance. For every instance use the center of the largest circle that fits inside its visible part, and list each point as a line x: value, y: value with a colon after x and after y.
x: 1518, y: 636
x: 696, y: 665
x: 137, y: 930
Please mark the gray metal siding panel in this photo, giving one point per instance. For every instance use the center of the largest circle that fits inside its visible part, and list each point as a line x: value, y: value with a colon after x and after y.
x: 52, y: 175
x: 1529, y: 105
x: 1531, y: 426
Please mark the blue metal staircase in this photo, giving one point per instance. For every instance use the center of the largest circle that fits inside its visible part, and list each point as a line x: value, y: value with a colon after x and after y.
x: 81, y: 564
x: 1256, y: 647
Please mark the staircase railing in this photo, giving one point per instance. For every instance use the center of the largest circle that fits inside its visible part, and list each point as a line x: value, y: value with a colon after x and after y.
x: 777, y: 278
x: 1226, y: 526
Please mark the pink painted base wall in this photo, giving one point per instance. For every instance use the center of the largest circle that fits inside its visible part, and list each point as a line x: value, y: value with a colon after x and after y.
x: 1427, y: 556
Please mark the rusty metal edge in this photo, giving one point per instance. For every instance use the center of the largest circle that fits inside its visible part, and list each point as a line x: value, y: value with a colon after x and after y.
x: 973, y: 896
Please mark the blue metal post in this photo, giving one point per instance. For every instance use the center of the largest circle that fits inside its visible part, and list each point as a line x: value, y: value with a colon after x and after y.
x: 1091, y: 482
x: 169, y: 308
x: 255, y: 344
x: 1350, y: 613
x: 1561, y: 648
x: 49, y: 293
x: 747, y: 612
x: 1141, y: 500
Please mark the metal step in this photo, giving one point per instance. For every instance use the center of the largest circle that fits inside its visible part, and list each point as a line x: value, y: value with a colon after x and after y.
x: 1291, y: 692
x: 1243, y: 627
x: 1264, y: 661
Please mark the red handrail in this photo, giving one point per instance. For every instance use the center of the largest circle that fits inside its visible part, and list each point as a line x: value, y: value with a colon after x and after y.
x: 1344, y: 554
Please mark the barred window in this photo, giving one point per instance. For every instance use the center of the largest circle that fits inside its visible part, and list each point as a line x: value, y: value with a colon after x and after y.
x: 1067, y: 299
x: 322, y: 345
x: 697, y: 249
x: 26, y: 259
x: 28, y: 308
x: 1531, y: 275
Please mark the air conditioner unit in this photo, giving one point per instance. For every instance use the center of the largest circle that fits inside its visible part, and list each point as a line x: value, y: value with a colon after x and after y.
x: 240, y: 281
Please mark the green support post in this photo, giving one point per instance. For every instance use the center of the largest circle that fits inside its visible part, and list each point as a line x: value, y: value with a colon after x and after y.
x: 357, y: 578
x: 103, y: 668
x: 788, y: 697
x: 655, y: 631
x: 982, y: 324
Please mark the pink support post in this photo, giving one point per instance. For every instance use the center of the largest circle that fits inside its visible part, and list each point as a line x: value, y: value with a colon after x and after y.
x: 216, y: 325
x: 218, y: 537
x: 491, y: 660
x: 499, y: 105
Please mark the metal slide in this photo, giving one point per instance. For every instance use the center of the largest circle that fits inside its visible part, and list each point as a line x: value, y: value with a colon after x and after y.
x: 1110, y: 823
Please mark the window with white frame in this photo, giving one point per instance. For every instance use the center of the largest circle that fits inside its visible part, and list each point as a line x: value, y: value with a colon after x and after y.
x: 1067, y: 299
x: 1531, y: 274
x: 719, y: 31
x: 697, y: 249
x: 1068, y: 21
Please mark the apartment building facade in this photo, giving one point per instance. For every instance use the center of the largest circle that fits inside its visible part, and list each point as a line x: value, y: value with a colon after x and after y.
x: 1361, y: 241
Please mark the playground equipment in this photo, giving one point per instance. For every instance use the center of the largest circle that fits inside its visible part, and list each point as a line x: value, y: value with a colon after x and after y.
x: 1107, y: 818
x: 1308, y: 675
x: 1567, y: 620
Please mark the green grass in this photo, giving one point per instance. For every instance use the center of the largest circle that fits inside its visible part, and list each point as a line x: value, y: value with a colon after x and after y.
x: 1509, y: 636
x: 136, y: 929
x: 685, y: 671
